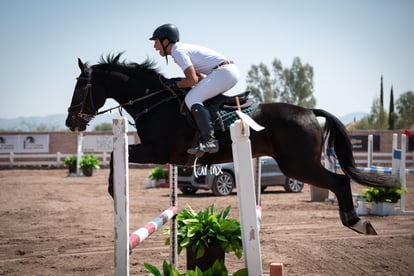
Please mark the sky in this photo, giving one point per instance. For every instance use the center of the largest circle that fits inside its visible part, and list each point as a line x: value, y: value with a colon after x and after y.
x: 349, y: 44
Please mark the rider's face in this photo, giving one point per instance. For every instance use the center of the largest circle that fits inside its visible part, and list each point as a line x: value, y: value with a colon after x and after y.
x: 158, y: 47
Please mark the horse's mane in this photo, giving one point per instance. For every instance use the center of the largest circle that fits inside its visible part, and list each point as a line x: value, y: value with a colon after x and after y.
x: 114, y: 62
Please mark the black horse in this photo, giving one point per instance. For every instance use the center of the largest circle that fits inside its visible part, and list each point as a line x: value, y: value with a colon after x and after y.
x: 292, y: 134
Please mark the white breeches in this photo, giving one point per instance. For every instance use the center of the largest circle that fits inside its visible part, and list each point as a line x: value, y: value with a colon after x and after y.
x: 218, y: 81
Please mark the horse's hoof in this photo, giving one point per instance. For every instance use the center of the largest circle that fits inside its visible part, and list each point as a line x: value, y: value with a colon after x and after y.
x: 364, y: 227
x: 370, y: 228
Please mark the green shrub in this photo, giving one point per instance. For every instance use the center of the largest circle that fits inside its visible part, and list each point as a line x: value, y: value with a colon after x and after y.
x: 208, y: 228
x: 70, y: 160
x: 89, y: 161
x: 158, y: 173
x: 380, y: 194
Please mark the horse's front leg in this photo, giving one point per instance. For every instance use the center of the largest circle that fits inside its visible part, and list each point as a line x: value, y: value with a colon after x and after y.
x: 141, y: 154
x: 111, y: 176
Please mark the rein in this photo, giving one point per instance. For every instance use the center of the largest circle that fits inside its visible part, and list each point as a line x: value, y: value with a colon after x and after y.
x: 148, y: 109
x: 131, y: 102
x: 88, y: 88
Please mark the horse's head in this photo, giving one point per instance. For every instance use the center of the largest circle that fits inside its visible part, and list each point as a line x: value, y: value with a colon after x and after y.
x: 134, y: 86
x: 87, y: 98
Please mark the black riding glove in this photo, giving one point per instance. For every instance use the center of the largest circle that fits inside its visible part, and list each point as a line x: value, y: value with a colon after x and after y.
x: 172, y: 83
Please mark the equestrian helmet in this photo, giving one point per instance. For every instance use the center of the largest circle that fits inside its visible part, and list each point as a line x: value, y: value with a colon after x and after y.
x: 169, y: 31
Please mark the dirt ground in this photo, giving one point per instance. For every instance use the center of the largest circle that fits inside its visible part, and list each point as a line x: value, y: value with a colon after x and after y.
x: 52, y: 224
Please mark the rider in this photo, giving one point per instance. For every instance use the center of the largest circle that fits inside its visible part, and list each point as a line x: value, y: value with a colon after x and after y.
x: 206, y: 71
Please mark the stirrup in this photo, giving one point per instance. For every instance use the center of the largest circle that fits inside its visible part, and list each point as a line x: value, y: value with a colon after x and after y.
x: 210, y: 146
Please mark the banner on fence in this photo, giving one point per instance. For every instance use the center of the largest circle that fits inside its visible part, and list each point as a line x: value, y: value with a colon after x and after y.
x: 360, y: 142
x: 24, y: 143
x: 101, y: 143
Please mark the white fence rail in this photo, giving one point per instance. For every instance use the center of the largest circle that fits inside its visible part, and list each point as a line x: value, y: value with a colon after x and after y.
x: 380, y: 158
x: 43, y: 160
x: 56, y: 159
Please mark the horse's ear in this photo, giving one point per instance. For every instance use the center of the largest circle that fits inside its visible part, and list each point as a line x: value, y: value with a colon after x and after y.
x: 81, y: 65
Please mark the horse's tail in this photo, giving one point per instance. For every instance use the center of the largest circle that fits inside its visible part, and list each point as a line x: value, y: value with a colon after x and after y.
x: 338, y: 137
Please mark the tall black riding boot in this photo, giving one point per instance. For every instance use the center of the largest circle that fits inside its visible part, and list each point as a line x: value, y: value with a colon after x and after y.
x: 208, y: 142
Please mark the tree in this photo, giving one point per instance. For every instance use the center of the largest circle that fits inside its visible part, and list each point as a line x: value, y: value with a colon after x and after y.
x: 381, y: 94
x: 405, y: 108
x: 291, y: 85
x: 376, y: 119
x: 103, y: 127
x: 260, y: 83
x: 391, y: 113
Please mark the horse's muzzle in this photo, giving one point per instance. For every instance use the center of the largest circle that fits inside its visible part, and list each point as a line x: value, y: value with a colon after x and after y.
x: 76, y: 123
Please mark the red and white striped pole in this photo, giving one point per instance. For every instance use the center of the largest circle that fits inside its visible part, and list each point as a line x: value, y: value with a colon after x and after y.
x: 144, y: 232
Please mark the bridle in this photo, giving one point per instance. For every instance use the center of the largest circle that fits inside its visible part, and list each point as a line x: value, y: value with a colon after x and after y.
x: 85, y: 118
x: 81, y: 115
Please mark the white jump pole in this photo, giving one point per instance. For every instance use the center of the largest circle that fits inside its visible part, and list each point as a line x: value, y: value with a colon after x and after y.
x: 121, y: 196
x: 399, y: 167
x: 79, y: 152
x: 370, y: 149
x: 242, y: 157
x: 402, y: 171
x: 173, y: 181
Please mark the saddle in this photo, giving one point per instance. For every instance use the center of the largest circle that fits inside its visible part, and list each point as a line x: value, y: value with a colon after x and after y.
x: 223, y: 110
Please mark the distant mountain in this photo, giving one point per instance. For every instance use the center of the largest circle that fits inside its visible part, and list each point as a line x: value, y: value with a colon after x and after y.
x: 349, y: 118
x: 54, y: 122
x: 57, y: 122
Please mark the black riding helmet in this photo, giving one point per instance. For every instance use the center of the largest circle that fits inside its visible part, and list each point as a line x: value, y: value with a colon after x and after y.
x: 169, y: 31
x: 166, y: 31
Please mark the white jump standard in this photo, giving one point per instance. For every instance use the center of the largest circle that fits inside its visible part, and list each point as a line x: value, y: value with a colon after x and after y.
x: 124, y: 243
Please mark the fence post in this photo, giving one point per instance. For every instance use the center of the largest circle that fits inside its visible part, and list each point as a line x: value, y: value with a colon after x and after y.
x: 79, y: 152
x: 58, y: 159
x: 402, y: 170
x: 242, y: 157
x: 121, y: 196
x: 11, y: 159
x: 370, y: 149
x: 104, y: 155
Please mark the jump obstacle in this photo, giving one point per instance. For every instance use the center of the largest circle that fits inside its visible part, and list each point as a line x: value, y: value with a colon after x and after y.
x: 125, y: 243
x: 398, y: 169
x: 144, y: 232
x: 250, y: 213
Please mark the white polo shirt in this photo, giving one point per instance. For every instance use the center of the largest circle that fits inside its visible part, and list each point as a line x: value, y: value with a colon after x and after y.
x: 202, y: 58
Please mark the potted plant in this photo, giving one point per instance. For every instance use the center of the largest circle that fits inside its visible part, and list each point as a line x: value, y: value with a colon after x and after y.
x: 70, y: 161
x: 217, y: 269
x: 88, y: 163
x: 207, y: 236
x: 382, y: 199
x: 158, y: 175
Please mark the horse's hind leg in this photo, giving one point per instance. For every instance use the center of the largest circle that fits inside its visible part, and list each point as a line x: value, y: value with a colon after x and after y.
x: 340, y: 185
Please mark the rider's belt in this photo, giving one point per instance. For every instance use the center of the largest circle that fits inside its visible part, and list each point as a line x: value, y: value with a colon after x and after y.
x: 224, y: 63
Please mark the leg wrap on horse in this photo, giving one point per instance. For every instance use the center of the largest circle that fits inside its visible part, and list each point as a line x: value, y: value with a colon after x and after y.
x: 351, y: 220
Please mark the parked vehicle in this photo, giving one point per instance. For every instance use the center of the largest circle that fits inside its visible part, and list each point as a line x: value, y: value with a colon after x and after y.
x: 220, y: 178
